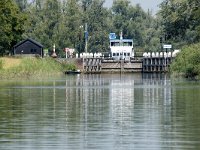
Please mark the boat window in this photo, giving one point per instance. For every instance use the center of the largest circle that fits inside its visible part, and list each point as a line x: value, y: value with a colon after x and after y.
x: 114, y: 54
x: 128, y: 54
x: 115, y: 44
x: 124, y: 54
x: 117, y: 54
x: 127, y: 43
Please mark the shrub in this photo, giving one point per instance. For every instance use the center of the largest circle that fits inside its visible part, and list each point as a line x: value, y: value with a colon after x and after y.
x: 69, y: 66
x: 187, y: 61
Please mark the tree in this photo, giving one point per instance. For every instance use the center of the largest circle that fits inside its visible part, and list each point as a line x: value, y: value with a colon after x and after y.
x: 136, y: 24
x: 181, y: 20
x: 73, y: 22
x: 11, y: 26
x: 86, y: 4
x: 22, y: 4
x: 44, y: 25
x: 98, y: 28
x: 121, y: 19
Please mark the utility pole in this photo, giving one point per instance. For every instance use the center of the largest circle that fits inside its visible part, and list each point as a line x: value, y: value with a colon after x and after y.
x: 86, y: 37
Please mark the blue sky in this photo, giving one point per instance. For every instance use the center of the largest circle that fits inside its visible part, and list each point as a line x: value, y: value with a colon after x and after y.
x: 145, y: 4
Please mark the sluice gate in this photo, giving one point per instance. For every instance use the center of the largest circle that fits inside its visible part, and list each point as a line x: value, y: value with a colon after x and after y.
x: 160, y: 64
x: 149, y: 64
x: 92, y: 65
x: 101, y: 65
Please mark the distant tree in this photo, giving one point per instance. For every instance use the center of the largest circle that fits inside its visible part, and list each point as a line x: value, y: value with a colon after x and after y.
x: 134, y: 23
x: 181, y: 20
x: 98, y: 28
x: 43, y: 25
x: 22, y: 4
x: 73, y: 21
x: 121, y: 18
x: 11, y: 25
x: 86, y: 4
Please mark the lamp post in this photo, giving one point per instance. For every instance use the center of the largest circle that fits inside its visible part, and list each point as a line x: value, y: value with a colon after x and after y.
x: 80, y: 40
x: 54, y: 55
x: 86, y: 37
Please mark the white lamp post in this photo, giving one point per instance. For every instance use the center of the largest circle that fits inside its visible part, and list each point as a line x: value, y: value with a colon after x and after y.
x: 54, y: 52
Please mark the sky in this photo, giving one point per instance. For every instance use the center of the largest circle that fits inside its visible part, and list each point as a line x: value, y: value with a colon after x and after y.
x: 152, y: 5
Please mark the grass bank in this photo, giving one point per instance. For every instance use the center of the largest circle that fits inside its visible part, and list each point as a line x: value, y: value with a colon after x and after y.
x: 187, y: 62
x: 31, y: 67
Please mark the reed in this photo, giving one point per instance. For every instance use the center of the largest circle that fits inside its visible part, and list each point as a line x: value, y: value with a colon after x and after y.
x: 1, y: 64
x: 34, y: 67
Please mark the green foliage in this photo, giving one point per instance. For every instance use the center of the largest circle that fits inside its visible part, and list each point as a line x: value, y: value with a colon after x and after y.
x: 22, y: 4
x: 73, y: 23
x: 181, y: 21
x: 188, y: 61
x: 63, y: 23
x: 33, y: 67
x: 11, y: 25
x: 98, y: 28
x: 69, y: 66
x: 136, y: 24
x: 43, y: 25
x: 1, y: 64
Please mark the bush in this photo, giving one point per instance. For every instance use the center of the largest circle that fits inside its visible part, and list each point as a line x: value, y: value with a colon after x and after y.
x: 69, y: 66
x: 187, y: 61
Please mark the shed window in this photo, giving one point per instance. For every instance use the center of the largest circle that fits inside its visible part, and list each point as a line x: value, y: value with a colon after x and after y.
x: 33, y: 50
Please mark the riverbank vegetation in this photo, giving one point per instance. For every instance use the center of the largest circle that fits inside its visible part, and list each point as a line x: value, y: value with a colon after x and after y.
x: 187, y: 63
x: 64, y: 23
x: 31, y: 67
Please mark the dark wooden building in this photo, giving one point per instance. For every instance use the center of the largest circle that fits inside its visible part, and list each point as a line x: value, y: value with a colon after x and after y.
x: 28, y: 47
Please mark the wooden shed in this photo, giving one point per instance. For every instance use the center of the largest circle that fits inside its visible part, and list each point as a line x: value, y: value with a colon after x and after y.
x: 28, y: 47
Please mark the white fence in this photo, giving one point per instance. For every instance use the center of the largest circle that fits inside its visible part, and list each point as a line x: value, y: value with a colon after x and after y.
x: 161, y: 54
x: 90, y: 55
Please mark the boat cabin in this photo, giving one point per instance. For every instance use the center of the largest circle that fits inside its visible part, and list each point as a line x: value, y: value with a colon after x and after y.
x: 121, y: 48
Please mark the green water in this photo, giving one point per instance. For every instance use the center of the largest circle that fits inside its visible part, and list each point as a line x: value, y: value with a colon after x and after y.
x: 103, y: 112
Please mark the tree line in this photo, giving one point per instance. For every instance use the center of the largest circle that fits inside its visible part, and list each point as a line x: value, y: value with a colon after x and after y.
x: 64, y: 23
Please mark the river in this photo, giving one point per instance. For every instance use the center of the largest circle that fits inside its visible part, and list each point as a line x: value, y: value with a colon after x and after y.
x: 100, y: 112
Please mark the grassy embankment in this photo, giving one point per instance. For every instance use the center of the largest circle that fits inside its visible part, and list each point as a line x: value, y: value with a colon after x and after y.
x: 31, y: 67
x: 187, y: 63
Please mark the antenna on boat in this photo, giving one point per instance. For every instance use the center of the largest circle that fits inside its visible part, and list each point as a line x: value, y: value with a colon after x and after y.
x: 121, y: 36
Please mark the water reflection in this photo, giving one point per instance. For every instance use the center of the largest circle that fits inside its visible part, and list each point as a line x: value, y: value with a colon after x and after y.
x: 115, y: 111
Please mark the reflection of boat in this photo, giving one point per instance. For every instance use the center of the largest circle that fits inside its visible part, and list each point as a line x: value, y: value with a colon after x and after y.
x: 72, y: 72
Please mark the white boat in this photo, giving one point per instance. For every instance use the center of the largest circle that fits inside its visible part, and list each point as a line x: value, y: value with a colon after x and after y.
x: 121, y: 48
